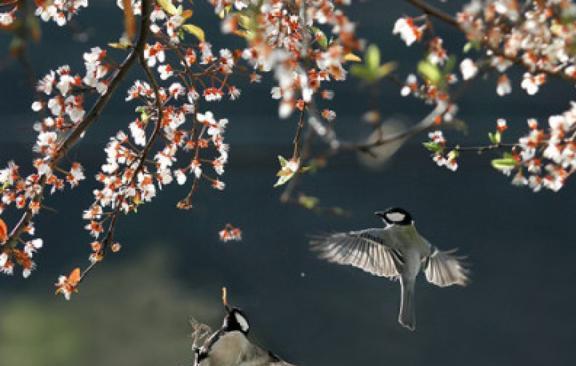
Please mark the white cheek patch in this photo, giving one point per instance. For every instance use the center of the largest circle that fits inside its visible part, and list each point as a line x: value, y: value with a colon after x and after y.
x: 395, y: 216
x: 242, y: 322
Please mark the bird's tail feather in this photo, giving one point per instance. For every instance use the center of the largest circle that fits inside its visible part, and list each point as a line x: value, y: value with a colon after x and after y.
x: 407, y: 316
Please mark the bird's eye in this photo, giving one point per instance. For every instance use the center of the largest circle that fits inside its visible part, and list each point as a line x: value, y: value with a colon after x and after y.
x: 395, y: 216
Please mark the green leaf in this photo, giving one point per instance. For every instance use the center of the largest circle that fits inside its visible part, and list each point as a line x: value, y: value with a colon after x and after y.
x: 472, y: 45
x: 350, y: 57
x: 453, y: 154
x: 372, y: 57
x: 281, y: 181
x: 307, y: 168
x: 385, y: 69
x: 320, y: 37
x: 308, y: 202
x: 282, y: 161
x: 195, y: 31
x: 430, y: 72
x: 362, y: 72
x: 432, y: 146
x: 505, y: 163
x: 287, y: 170
x: 122, y: 45
x: 369, y: 75
x: 245, y: 21
x: 495, y: 137
x: 168, y: 7
x: 450, y: 64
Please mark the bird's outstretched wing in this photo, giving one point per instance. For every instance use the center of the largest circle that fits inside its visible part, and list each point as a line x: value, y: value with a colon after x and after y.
x: 444, y: 269
x: 367, y: 249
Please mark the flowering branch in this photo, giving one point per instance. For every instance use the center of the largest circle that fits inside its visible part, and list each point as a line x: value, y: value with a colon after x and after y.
x: 99, y: 254
x: 81, y: 128
x: 464, y: 22
x: 305, y: 45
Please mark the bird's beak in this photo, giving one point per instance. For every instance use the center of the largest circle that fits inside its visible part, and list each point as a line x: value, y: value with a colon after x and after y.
x: 380, y: 213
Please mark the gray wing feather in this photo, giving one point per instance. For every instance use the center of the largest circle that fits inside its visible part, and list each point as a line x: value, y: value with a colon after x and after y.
x: 256, y: 356
x: 233, y: 349
x: 367, y: 249
x: 443, y: 269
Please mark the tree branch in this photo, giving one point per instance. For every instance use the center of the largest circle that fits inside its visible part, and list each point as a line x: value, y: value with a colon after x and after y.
x: 435, y: 12
x: 421, y: 126
x: 90, y: 118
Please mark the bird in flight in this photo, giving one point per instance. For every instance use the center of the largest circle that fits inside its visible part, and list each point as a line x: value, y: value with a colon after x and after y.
x: 396, y: 251
x: 230, y: 346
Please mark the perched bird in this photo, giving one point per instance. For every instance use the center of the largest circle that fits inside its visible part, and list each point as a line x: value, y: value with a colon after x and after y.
x: 396, y: 251
x: 229, y: 346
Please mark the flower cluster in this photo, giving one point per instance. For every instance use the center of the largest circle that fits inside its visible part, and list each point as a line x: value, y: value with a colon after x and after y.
x: 59, y: 11
x: 538, y: 35
x: 11, y: 255
x: 62, y: 111
x: 545, y: 157
x: 440, y: 154
x: 230, y: 232
x: 171, y: 139
x: 288, y: 39
x: 435, y: 71
x: 432, y: 91
x: 67, y: 285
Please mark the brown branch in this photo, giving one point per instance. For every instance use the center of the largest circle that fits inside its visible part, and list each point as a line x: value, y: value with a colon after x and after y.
x: 421, y: 126
x: 90, y: 118
x: 298, y: 137
x: 435, y: 12
x: 286, y: 195
x: 9, y: 2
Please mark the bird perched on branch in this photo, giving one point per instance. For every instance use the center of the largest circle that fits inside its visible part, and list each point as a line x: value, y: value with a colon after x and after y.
x: 396, y: 251
x: 230, y: 346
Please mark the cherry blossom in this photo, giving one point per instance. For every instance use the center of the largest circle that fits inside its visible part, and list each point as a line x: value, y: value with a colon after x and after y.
x: 230, y: 233
x: 408, y: 31
x: 7, y: 18
x: 468, y: 69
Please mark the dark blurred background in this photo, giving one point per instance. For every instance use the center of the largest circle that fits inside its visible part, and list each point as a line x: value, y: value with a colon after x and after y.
x: 134, y: 309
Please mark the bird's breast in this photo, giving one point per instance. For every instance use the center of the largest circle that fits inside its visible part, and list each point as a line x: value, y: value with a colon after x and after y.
x: 228, y: 350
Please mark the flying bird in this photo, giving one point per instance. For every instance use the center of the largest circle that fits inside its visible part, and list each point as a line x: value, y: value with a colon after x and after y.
x: 396, y: 251
x: 230, y: 346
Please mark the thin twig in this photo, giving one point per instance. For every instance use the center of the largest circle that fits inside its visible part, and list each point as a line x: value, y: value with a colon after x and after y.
x: 143, y: 154
x: 481, y: 149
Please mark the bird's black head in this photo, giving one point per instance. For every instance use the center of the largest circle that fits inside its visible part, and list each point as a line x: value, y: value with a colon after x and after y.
x: 235, y: 320
x: 395, y: 216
